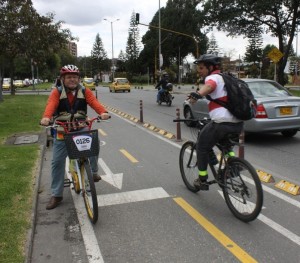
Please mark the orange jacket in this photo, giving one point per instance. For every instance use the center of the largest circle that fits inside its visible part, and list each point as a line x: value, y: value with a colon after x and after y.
x: 53, y: 102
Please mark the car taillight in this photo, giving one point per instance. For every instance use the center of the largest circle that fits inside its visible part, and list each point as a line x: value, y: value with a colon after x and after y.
x: 261, y: 112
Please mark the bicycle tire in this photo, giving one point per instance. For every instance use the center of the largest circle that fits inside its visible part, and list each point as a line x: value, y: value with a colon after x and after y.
x: 74, y: 175
x: 188, y: 165
x: 242, y: 189
x: 89, y: 191
x: 76, y: 184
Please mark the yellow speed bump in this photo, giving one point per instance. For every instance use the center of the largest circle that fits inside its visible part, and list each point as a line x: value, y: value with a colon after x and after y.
x: 162, y: 132
x: 288, y: 187
x: 170, y: 135
x: 265, y: 177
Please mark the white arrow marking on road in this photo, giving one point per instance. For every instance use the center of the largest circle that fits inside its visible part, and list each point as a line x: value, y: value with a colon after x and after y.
x: 280, y: 229
x: 115, y: 180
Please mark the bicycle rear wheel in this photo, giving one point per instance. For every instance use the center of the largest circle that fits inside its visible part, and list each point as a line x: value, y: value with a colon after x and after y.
x: 89, y: 191
x: 242, y: 189
x: 188, y: 165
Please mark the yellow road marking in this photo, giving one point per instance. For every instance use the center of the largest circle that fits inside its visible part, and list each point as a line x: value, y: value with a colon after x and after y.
x: 129, y: 156
x: 102, y: 132
x: 238, y: 252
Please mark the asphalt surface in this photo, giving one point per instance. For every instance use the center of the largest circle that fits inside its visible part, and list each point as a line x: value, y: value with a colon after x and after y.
x: 55, y: 235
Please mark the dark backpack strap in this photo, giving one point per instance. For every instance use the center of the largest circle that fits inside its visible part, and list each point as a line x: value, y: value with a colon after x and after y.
x: 220, y: 102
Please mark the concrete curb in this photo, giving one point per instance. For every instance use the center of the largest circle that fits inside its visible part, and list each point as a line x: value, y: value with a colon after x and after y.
x: 30, y: 234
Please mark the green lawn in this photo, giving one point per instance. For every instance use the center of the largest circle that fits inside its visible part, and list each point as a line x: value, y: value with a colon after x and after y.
x: 18, y: 169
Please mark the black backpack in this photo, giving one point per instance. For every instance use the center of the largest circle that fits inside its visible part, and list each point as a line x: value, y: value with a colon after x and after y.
x: 241, y: 102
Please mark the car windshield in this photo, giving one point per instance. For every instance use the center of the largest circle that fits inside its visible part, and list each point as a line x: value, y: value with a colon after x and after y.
x: 122, y: 81
x: 88, y: 80
x: 263, y: 89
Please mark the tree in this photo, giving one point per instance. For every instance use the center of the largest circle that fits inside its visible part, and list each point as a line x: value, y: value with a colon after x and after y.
x: 276, y: 17
x: 99, y: 55
x: 253, y: 53
x: 213, y: 47
x: 121, y: 62
x: 133, y: 46
x: 180, y: 16
x: 23, y: 32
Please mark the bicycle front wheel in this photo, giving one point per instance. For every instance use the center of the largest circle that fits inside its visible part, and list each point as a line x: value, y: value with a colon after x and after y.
x: 188, y: 165
x: 89, y: 191
x: 242, y: 189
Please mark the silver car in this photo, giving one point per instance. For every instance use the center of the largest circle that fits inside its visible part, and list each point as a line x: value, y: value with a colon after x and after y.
x: 278, y: 110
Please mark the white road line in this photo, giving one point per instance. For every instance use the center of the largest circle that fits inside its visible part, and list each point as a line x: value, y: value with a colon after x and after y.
x: 280, y: 229
x: 88, y: 234
x: 132, y: 196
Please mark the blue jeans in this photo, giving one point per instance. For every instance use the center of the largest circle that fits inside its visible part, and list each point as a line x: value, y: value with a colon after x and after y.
x: 159, y: 94
x: 59, y: 164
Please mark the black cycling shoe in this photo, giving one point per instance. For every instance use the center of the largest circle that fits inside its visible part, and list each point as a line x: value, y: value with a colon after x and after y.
x: 201, y: 185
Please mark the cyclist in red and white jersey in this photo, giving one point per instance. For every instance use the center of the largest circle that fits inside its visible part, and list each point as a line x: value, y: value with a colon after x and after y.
x: 223, y: 122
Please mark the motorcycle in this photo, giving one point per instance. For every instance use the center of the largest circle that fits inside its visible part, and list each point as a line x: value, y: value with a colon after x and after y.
x: 166, y: 96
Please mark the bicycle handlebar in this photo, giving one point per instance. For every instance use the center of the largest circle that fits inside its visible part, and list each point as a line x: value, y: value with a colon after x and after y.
x: 193, y: 120
x: 78, y: 123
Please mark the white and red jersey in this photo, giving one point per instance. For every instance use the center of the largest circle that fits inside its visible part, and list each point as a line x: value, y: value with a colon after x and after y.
x: 216, y: 112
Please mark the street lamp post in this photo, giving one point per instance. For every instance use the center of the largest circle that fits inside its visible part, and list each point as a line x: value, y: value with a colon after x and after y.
x: 112, y: 48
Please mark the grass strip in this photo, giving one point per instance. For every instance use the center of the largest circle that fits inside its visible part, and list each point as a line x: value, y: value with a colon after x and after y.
x: 18, y: 169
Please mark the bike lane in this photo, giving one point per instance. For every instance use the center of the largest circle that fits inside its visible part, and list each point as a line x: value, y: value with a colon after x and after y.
x: 135, y: 228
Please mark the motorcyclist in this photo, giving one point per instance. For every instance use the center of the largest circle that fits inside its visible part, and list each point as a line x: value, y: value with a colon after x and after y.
x: 163, y: 86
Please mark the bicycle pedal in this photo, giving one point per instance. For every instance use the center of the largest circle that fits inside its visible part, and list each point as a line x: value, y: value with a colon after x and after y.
x: 67, y: 183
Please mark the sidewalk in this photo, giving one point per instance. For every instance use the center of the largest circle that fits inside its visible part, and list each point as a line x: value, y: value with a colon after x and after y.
x: 55, y: 235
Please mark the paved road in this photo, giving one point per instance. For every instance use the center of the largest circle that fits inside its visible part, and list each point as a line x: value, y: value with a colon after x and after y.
x: 141, y: 220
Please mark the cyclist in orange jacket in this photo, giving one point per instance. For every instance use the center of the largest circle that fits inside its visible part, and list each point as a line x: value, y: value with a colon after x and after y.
x: 70, y: 100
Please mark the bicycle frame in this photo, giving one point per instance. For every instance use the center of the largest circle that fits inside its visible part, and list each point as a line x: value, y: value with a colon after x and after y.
x: 82, y: 143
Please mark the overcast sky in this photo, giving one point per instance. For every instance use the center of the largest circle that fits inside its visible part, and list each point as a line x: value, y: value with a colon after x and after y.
x: 85, y: 19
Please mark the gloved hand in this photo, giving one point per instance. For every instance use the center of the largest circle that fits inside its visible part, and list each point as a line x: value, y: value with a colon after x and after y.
x: 195, y: 96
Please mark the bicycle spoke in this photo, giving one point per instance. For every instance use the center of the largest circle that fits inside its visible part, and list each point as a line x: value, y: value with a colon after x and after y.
x: 243, y: 198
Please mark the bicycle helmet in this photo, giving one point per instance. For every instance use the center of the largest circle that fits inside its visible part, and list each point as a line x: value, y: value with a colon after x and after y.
x: 69, y: 69
x: 208, y: 59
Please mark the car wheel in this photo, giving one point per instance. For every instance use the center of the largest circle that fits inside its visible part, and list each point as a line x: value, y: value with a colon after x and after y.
x: 187, y: 113
x: 129, y: 90
x: 289, y: 133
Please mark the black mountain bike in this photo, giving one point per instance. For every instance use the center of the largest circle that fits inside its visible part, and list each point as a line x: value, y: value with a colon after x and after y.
x: 236, y: 177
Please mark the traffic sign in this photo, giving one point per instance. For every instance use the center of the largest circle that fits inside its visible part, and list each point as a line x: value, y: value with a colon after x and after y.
x: 275, y: 55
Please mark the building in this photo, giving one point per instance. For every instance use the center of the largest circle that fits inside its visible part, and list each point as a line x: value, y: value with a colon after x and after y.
x: 72, y: 47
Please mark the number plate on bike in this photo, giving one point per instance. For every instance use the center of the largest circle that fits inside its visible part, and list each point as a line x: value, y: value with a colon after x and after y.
x: 83, y: 142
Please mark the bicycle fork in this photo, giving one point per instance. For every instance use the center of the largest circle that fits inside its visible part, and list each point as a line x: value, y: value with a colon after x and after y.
x: 76, y: 170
